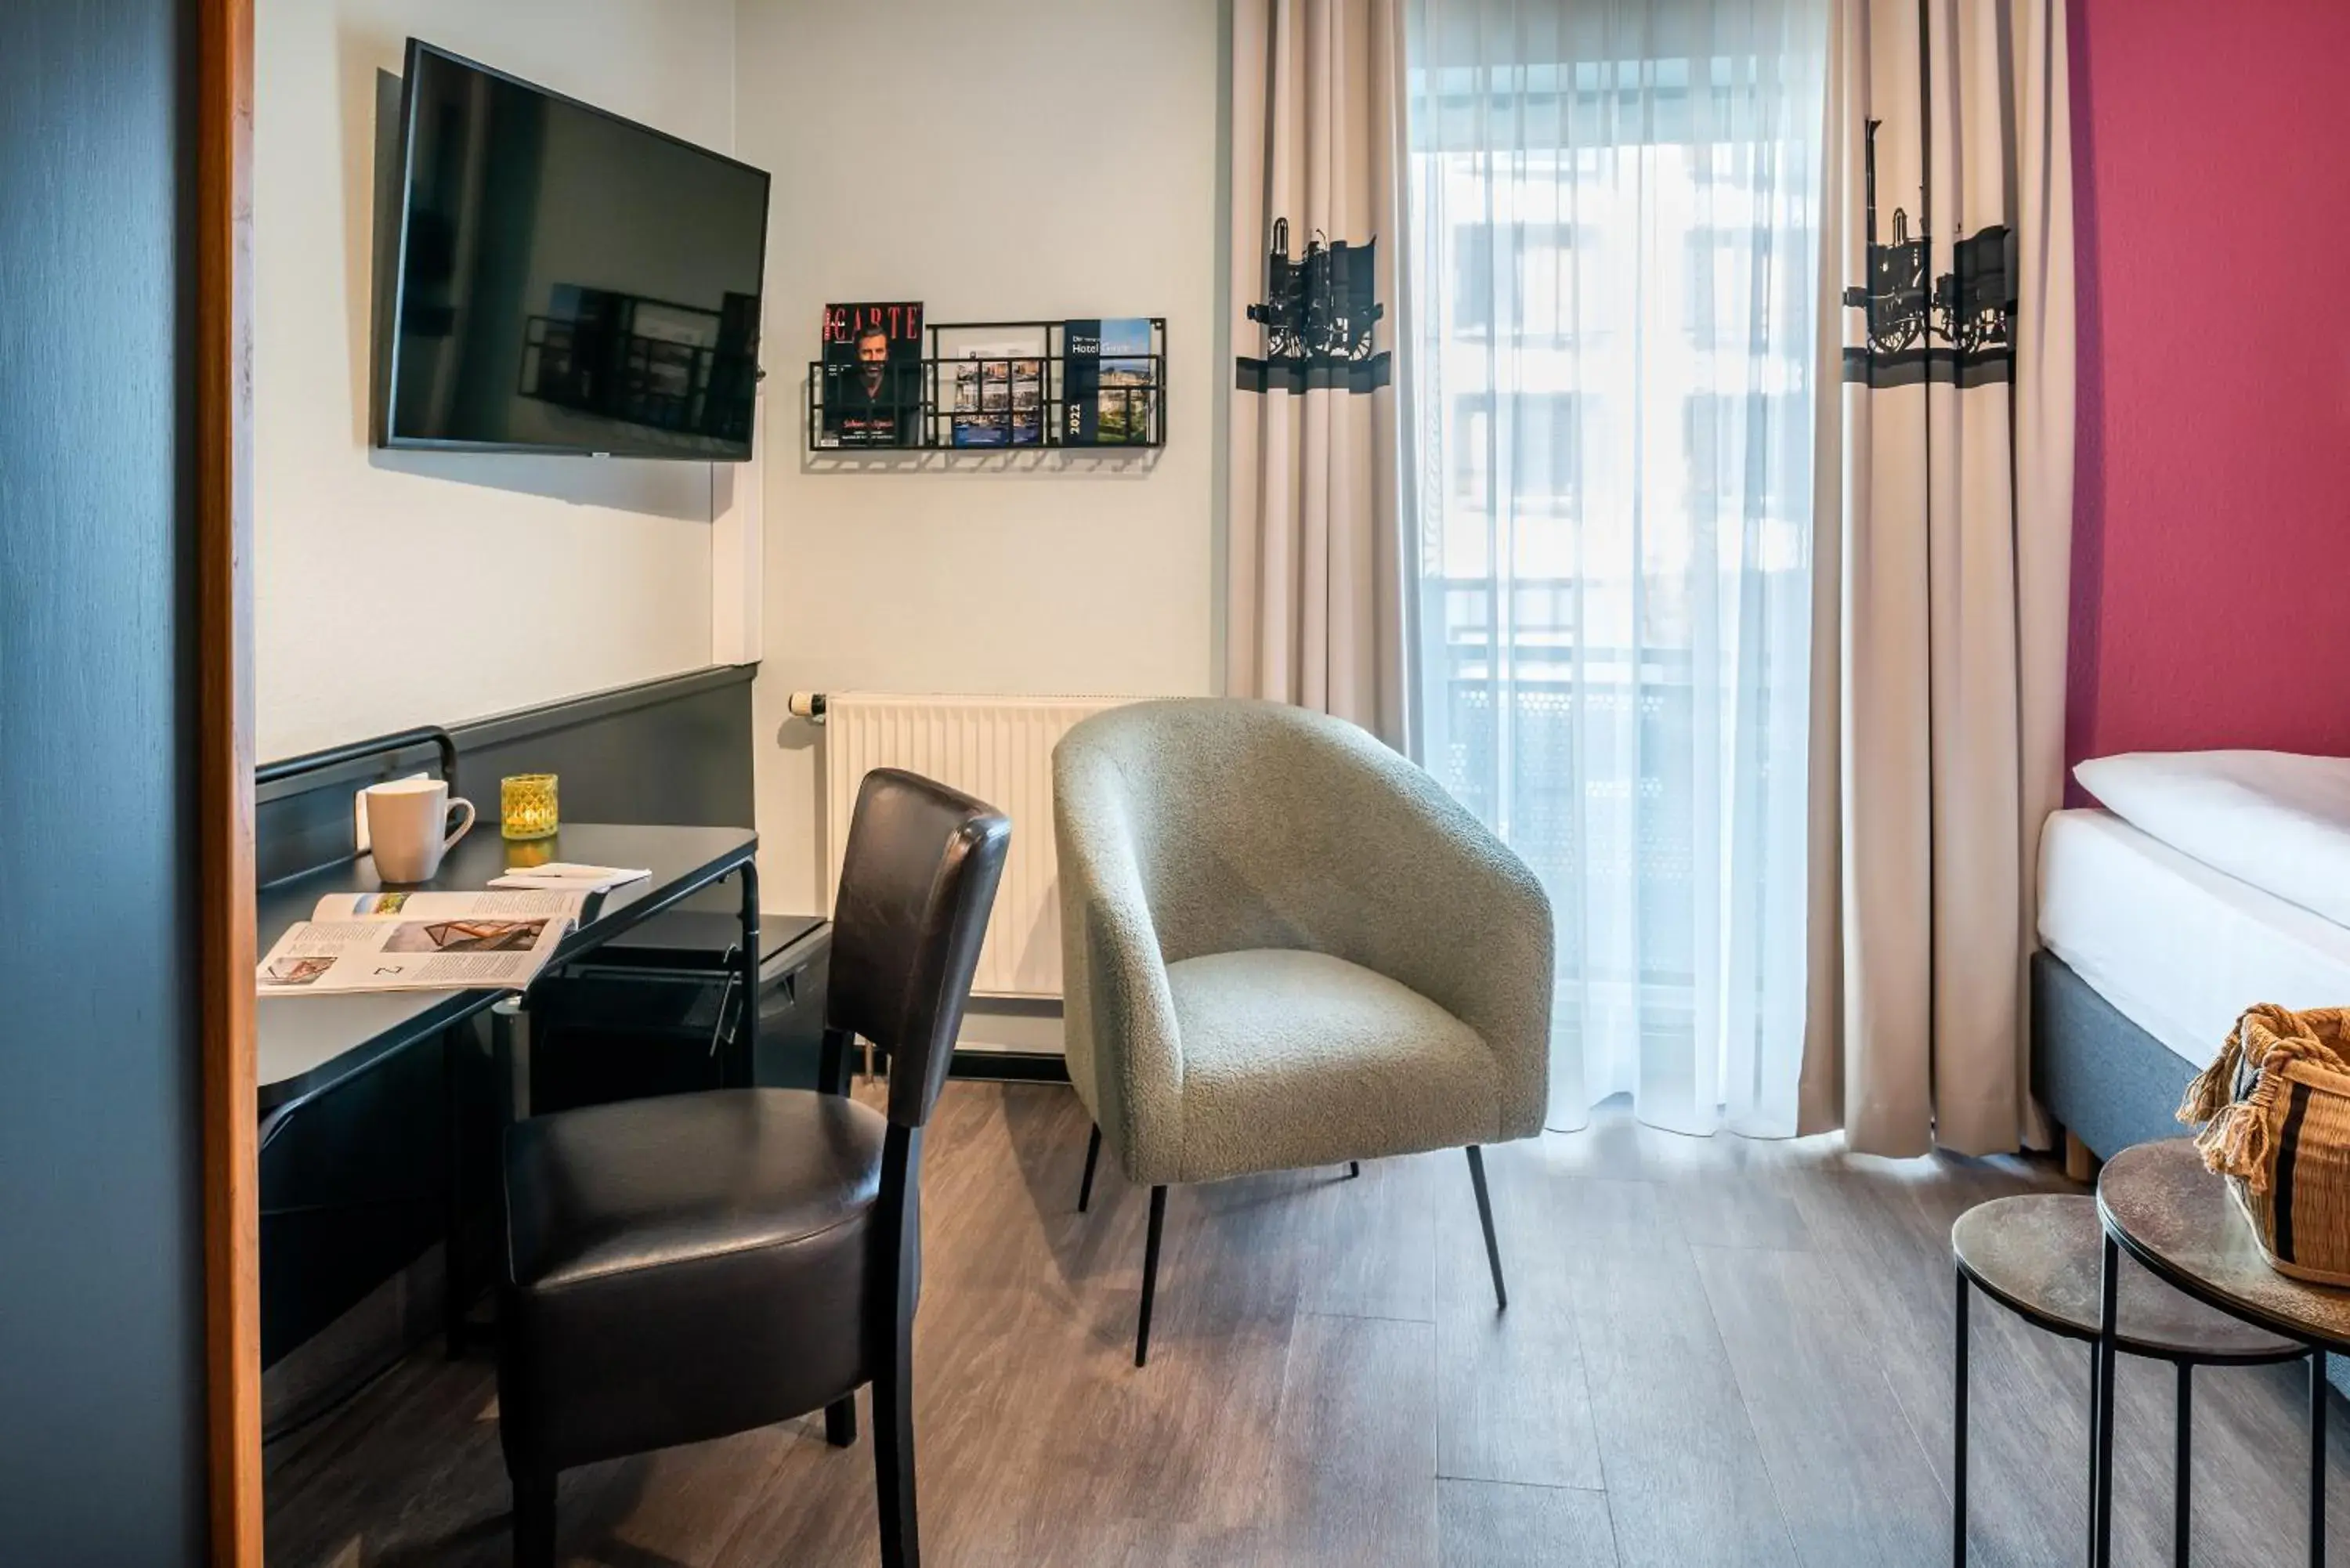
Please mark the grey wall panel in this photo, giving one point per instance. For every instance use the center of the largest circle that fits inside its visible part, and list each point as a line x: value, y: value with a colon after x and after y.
x: 102, y: 1369
x: 676, y: 751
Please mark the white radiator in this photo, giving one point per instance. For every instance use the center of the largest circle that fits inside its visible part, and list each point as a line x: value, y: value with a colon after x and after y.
x: 997, y: 748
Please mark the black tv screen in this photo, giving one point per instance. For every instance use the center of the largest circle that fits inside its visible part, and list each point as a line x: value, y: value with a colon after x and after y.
x: 565, y: 280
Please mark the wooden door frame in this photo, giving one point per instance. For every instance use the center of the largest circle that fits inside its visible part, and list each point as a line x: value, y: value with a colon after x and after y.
x: 224, y: 421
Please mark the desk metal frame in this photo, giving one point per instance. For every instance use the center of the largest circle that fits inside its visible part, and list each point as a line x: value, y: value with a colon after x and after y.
x: 281, y: 1101
x: 458, y: 1287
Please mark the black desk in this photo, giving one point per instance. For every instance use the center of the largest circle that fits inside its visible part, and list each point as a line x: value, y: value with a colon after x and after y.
x: 309, y: 1043
x: 310, y: 1046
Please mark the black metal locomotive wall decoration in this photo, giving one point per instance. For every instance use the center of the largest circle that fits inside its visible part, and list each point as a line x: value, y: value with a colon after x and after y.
x: 1894, y: 294
x: 1318, y: 315
x: 1969, y: 309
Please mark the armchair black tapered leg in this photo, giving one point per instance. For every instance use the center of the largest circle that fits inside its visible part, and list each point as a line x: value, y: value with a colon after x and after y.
x: 1353, y: 1169
x: 1150, y: 1274
x: 534, y: 1521
x: 1486, y: 1216
x: 1092, y: 1153
x: 841, y: 1422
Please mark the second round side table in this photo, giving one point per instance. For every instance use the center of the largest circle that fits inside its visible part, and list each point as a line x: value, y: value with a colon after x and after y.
x: 2170, y: 1214
x: 2040, y: 1256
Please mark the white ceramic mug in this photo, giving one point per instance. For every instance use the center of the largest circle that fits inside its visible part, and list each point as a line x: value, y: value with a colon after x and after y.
x: 408, y: 827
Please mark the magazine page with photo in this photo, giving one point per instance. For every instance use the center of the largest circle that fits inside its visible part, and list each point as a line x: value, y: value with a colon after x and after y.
x: 420, y: 942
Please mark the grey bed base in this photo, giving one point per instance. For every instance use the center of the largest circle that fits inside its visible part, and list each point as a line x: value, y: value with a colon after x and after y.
x: 2108, y: 1081
x: 2103, y: 1077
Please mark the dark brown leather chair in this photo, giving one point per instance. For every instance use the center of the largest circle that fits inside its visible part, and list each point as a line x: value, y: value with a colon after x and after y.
x: 683, y: 1268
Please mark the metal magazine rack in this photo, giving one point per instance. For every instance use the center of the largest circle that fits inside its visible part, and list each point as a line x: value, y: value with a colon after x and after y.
x: 964, y: 395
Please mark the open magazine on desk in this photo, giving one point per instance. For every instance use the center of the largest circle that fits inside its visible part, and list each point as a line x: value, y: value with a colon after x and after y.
x: 421, y: 941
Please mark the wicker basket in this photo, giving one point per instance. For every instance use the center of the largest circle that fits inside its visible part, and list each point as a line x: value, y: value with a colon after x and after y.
x: 2277, y: 1109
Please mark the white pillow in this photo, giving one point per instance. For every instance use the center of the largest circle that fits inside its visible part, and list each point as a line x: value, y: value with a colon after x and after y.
x: 2278, y: 821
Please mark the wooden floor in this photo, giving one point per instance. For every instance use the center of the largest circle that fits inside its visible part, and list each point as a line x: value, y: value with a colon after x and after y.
x: 1718, y: 1352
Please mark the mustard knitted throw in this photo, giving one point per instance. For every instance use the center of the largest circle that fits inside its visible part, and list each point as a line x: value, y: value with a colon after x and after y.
x: 2276, y: 1114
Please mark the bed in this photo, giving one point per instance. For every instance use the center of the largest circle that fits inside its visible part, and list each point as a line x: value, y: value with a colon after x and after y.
x: 2149, y: 952
x: 2146, y: 957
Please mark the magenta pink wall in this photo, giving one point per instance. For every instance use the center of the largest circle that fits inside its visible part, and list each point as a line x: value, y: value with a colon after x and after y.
x: 2211, y: 555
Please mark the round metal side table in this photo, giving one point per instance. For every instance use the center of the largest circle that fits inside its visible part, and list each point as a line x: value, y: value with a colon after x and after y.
x: 2038, y: 1256
x: 2159, y: 1205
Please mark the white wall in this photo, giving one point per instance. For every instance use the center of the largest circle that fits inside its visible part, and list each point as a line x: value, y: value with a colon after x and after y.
x: 507, y: 580
x: 1052, y: 159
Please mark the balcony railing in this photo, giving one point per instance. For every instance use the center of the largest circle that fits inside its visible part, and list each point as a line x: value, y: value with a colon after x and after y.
x: 1583, y: 758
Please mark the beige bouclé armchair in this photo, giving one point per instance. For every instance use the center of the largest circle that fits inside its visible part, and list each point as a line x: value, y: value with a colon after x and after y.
x: 1284, y: 945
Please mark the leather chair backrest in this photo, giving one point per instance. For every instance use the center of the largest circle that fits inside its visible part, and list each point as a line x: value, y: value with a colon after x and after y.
x: 916, y: 886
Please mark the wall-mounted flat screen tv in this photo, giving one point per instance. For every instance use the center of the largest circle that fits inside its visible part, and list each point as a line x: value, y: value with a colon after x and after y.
x: 565, y: 280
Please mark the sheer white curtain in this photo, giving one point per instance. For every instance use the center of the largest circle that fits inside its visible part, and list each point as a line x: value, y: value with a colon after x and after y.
x: 1614, y: 232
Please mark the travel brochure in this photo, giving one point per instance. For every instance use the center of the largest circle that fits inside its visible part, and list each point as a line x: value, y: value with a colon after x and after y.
x: 999, y: 396
x: 421, y: 941
x: 1100, y: 389
x: 1111, y: 378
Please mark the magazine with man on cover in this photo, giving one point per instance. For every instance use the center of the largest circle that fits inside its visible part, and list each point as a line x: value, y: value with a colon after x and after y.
x: 872, y: 391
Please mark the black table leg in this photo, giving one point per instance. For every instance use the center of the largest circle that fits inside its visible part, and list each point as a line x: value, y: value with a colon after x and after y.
x: 2317, y: 1458
x: 454, y: 1272
x: 2094, y: 1468
x: 1959, y: 1435
x: 746, y: 1032
x: 510, y: 1047
x: 2101, y: 1428
x: 2182, y: 1480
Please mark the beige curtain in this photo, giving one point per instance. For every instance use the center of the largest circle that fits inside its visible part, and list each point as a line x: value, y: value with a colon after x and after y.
x: 1316, y: 608
x: 1945, y: 461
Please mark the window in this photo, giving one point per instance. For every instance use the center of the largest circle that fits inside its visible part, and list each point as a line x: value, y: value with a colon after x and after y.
x: 1534, y: 289
x: 1546, y: 457
x: 1618, y: 378
x: 1473, y: 278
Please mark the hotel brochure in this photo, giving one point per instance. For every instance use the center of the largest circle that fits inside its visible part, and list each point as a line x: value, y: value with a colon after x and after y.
x: 420, y: 942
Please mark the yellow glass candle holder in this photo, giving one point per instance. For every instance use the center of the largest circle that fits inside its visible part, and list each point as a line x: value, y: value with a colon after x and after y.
x: 527, y: 806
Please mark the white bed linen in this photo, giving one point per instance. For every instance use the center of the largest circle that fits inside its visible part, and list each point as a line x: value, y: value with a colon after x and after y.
x: 2274, y: 819
x: 2180, y: 948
